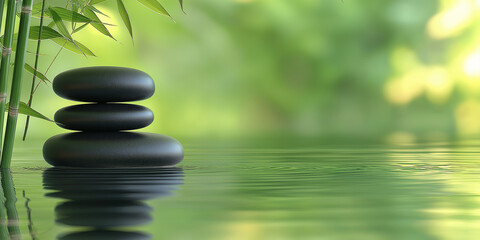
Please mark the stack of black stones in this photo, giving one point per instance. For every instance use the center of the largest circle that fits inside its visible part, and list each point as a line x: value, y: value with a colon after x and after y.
x: 102, y: 140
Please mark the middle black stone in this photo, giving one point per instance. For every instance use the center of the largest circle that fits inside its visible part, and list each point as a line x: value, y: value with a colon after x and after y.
x: 104, y: 117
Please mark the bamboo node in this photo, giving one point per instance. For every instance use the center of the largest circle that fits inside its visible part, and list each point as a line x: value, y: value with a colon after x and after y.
x: 26, y: 9
x: 12, y: 223
x: 6, y: 51
x: 12, y: 111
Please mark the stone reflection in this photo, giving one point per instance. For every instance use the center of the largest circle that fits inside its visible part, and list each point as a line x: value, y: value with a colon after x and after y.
x: 105, y: 201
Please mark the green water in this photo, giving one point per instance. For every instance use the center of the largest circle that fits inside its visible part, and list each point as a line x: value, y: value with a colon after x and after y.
x: 266, y: 190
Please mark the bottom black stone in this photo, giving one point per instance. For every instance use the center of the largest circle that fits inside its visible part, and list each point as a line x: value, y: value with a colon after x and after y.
x: 112, y: 150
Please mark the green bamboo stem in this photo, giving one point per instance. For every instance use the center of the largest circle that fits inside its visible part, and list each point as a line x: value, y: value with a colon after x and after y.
x: 39, y: 41
x: 10, y: 204
x: 2, y: 6
x: 23, y: 33
x: 5, y: 64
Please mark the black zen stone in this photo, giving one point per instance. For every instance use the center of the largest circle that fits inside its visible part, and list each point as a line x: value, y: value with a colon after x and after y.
x: 104, y: 84
x: 104, y: 117
x: 112, y: 150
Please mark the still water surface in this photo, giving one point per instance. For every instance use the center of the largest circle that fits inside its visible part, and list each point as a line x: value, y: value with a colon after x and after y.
x: 255, y: 191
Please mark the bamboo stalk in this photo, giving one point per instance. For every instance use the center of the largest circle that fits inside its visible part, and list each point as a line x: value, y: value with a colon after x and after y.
x: 39, y: 41
x: 5, y: 64
x: 2, y: 6
x: 23, y: 33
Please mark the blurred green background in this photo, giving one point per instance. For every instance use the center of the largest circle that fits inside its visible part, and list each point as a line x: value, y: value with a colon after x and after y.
x: 393, y: 70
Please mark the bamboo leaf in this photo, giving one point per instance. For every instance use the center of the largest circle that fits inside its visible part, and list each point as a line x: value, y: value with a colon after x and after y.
x: 97, y: 11
x: 155, y: 6
x: 69, y: 15
x: 79, y: 28
x: 47, y: 33
x: 181, y: 5
x: 75, y: 6
x: 125, y: 18
x: 59, y: 23
x: 99, y: 26
x: 40, y: 75
x: 24, y: 109
x: 93, y: 2
x: 74, y: 9
x: 63, y: 29
x: 74, y: 47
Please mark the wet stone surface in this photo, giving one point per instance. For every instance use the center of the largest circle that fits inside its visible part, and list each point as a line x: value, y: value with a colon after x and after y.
x: 104, y: 84
x: 112, y: 150
x: 104, y: 117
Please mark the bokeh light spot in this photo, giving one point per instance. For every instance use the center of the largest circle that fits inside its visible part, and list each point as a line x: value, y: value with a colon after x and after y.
x: 472, y: 64
x: 452, y: 21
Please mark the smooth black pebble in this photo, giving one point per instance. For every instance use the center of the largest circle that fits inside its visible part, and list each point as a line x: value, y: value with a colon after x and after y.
x: 104, y: 117
x: 112, y: 150
x: 104, y: 84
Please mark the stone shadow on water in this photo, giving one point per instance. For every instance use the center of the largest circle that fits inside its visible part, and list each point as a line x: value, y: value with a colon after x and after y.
x: 107, y: 200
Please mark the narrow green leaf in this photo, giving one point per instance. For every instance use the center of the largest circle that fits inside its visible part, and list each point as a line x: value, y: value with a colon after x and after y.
x: 47, y: 33
x: 97, y: 11
x: 62, y: 28
x: 79, y: 28
x: 124, y: 14
x: 69, y: 15
x: 155, y: 6
x: 24, y: 109
x: 67, y: 44
x: 32, y: 70
x: 74, y: 9
x: 93, y: 2
x: 59, y: 23
x: 99, y: 26
x: 181, y: 5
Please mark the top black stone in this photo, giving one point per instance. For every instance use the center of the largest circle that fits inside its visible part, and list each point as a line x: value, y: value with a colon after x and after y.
x: 104, y: 84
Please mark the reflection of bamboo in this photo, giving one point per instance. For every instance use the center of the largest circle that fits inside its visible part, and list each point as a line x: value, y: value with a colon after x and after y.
x: 29, y: 215
x: 10, y: 201
x: 3, y: 216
